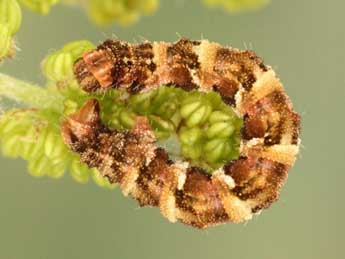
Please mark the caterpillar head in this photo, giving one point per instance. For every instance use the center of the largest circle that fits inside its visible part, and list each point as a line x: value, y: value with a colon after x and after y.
x: 94, y: 71
x: 85, y: 123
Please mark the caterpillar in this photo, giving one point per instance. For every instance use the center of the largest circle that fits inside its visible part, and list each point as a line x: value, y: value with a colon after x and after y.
x: 183, y: 192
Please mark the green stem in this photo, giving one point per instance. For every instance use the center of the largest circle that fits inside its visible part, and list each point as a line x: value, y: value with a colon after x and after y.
x: 29, y: 94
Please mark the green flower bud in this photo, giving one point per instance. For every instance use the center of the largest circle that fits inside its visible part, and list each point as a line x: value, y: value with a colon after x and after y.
x: 40, y: 6
x: 70, y: 107
x: 216, y: 150
x: 128, y: 18
x: 234, y: 152
x: 79, y: 171
x: 10, y: 147
x: 220, y: 130
x: 207, y: 113
x: 57, y: 170
x: 215, y: 100
x: 162, y: 128
x: 78, y: 48
x: 4, y: 120
x: 219, y: 116
x: 148, y: 6
x: 8, y: 124
x: 115, y: 123
x: 26, y: 150
x: 188, y: 108
x: 104, y: 12
x: 238, y: 123
x: 190, y: 136
x: 70, y: 2
x: 236, y: 5
x: 39, y: 146
x: 195, y: 109
x: 161, y: 95
x: 167, y: 108
x: 6, y: 44
x: 192, y: 151
x: 141, y: 103
x: 124, y: 12
x: 58, y: 66
x: 14, y: 126
x: 176, y: 118
x: 28, y: 142
x: 101, y: 181
x: 50, y: 142
x: 199, y: 116
x: 39, y: 167
x: 165, y: 102
x: 10, y: 15
x: 54, y: 147
x: 112, y: 116
x: 127, y: 118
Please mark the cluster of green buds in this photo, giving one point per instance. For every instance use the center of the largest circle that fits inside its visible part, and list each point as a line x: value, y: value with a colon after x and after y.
x: 160, y: 106
x: 124, y: 12
x: 210, y: 131
x: 237, y: 5
x: 10, y: 20
x: 207, y: 130
x: 27, y: 134
x: 30, y: 135
x: 58, y: 66
x: 39, y: 6
x: 33, y: 133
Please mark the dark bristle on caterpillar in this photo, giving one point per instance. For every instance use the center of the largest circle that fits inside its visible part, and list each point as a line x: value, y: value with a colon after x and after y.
x: 184, y: 192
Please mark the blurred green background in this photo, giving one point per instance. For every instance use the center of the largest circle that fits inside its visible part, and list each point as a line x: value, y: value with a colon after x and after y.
x: 304, y: 41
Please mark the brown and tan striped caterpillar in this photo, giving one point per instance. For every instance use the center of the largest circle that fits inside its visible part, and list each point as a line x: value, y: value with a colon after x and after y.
x: 183, y: 192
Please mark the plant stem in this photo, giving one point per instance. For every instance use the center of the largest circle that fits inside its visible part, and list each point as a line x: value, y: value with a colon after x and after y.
x: 29, y: 94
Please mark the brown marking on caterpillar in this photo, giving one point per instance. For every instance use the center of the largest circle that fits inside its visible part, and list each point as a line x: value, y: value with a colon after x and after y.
x: 85, y: 77
x: 99, y: 63
x: 255, y: 176
x: 269, y: 143
x: 183, y: 64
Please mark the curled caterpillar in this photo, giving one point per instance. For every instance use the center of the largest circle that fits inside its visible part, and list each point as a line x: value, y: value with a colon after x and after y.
x: 233, y: 192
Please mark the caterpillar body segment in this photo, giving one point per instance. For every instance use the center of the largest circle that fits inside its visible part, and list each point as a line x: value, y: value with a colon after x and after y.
x: 233, y: 192
x: 187, y: 64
